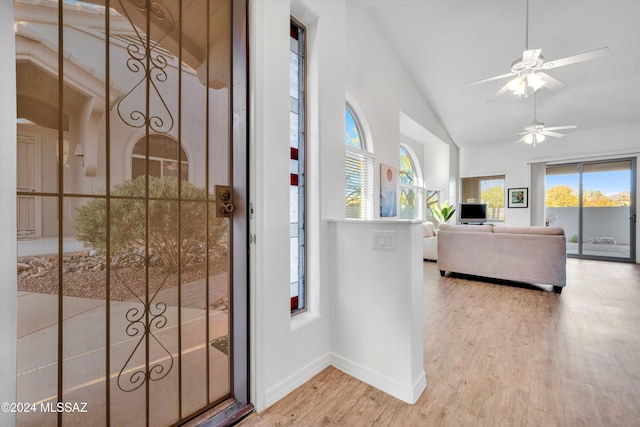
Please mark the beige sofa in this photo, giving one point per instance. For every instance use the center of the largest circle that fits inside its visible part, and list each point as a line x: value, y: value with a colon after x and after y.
x: 523, y: 254
x: 429, y: 241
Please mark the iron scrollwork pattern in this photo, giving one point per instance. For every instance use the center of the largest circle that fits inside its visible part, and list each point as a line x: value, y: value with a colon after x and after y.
x: 146, y: 57
x: 142, y: 322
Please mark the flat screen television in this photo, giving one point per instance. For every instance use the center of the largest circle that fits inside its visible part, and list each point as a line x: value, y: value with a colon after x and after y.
x: 472, y: 213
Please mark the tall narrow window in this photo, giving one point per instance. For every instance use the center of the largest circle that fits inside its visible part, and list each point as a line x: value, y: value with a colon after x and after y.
x: 358, y: 171
x: 411, y: 193
x: 297, y: 161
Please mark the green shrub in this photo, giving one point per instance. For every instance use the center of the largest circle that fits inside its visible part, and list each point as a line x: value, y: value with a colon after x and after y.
x: 129, y: 224
x: 574, y: 239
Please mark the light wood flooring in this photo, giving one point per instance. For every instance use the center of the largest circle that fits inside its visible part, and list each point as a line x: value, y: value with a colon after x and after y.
x: 498, y: 355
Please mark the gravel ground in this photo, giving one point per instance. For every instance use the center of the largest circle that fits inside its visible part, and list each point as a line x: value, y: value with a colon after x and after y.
x: 84, y: 275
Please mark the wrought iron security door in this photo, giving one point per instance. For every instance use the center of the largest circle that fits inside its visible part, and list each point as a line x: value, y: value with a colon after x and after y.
x: 126, y: 308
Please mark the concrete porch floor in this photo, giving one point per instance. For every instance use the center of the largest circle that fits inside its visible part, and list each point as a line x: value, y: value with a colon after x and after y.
x: 85, y: 356
x: 48, y: 246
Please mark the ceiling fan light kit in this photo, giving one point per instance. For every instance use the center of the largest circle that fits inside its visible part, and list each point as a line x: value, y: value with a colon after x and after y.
x: 533, y: 139
x: 520, y: 85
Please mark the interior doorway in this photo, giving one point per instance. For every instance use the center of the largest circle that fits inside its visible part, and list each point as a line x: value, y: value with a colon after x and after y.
x: 132, y: 257
x: 595, y: 203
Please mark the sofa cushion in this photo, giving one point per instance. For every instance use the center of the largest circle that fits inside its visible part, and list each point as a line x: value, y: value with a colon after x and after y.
x: 428, y: 229
x: 529, y: 230
x: 485, y: 228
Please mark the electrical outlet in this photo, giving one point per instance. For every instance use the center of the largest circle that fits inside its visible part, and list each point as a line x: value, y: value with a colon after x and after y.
x: 383, y: 240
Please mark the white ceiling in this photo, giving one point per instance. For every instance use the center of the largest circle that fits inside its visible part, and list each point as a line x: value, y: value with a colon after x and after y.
x: 446, y: 44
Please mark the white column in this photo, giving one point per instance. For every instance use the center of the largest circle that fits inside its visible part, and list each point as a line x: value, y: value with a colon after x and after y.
x: 377, y: 322
x: 536, y: 193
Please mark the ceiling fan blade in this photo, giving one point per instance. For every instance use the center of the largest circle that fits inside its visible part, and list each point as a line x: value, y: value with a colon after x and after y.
x: 502, y: 76
x: 554, y: 134
x: 586, y: 56
x: 501, y: 92
x: 550, y: 82
x: 522, y: 139
x: 561, y: 127
x: 531, y: 55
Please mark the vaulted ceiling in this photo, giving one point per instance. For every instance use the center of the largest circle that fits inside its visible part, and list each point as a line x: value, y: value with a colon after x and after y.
x: 446, y: 44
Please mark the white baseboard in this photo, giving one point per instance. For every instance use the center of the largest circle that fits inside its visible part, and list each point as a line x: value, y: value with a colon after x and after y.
x: 408, y: 393
x: 296, y: 379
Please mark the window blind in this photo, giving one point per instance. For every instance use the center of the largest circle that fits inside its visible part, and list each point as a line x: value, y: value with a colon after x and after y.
x: 359, y: 166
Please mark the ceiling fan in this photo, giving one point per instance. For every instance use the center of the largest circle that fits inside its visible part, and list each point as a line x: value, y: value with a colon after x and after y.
x: 536, y: 132
x: 529, y: 70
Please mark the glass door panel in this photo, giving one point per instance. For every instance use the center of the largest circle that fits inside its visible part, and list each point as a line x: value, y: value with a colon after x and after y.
x: 606, y: 208
x: 562, y: 203
x: 125, y: 282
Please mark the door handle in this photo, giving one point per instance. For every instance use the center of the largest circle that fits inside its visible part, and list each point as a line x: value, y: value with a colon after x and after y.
x: 226, y: 208
x: 632, y: 218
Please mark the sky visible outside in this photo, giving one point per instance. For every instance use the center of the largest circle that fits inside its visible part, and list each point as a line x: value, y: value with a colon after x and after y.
x: 485, y: 184
x: 352, y: 134
x: 608, y: 182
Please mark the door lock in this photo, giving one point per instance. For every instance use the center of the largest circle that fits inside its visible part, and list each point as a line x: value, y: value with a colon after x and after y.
x: 225, y: 194
x: 224, y: 201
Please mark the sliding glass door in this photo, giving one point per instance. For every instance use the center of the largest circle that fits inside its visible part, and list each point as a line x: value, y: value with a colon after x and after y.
x: 595, y: 203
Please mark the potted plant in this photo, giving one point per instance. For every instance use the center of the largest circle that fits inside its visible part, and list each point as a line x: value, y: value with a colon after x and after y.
x: 443, y: 213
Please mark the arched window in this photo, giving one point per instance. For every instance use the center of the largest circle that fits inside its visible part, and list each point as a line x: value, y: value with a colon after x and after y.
x: 411, y: 190
x: 163, y: 158
x: 358, y: 170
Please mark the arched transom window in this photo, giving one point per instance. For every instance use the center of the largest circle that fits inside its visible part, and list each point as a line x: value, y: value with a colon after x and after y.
x: 411, y: 191
x: 163, y: 158
x: 358, y: 170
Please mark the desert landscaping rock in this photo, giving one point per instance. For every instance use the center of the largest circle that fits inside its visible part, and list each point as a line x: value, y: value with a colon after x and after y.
x: 84, y: 274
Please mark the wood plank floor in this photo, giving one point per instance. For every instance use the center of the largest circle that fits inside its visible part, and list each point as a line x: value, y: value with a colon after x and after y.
x: 499, y: 355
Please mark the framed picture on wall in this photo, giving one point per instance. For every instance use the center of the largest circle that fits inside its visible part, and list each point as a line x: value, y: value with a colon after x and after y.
x: 518, y: 197
x: 388, y: 191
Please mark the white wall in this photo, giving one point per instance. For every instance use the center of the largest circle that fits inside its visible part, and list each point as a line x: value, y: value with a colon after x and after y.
x: 434, y: 155
x: 384, y: 90
x: 288, y: 351
x: 8, y: 286
x: 377, y: 305
x: 607, y: 221
x: 513, y: 159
